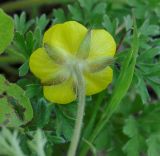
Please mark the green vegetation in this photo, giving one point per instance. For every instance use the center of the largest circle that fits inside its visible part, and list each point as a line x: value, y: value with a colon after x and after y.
x: 122, y: 120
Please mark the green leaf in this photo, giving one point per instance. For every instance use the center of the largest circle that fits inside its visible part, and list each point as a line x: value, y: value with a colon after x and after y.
x: 101, y: 143
x: 125, y: 78
x: 59, y: 16
x: 42, y: 112
x: 149, y: 54
x: 37, y: 38
x: 100, y: 8
x: 142, y: 89
x: 21, y: 23
x: 130, y: 127
x: 26, y: 44
x: 76, y: 12
x: 128, y: 22
x: 149, y: 120
x: 56, y: 139
x: 64, y: 126
x: 33, y: 90
x: 20, y: 45
x: 133, y: 146
x: 147, y: 29
x: 87, y: 5
x: 16, y: 109
x: 6, y: 30
x: 107, y: 23
x: 23, y: 70
x: 42, y: 22
x: 30, y: 41
x: 153, y: 143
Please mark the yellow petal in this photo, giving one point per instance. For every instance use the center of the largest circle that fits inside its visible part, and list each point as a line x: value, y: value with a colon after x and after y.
x: 102, y: 44
x: 62, y: 93
x: 68, y: 36
x: 42, y: 66
x: 96, y: 82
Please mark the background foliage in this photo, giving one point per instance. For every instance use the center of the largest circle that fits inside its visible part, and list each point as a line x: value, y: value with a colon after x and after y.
x: 133, y: 130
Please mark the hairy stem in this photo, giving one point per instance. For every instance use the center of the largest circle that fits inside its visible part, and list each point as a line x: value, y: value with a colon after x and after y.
x: 80, y: 112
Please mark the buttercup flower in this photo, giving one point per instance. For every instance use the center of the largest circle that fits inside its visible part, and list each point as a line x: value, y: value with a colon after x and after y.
x: 70, y: 45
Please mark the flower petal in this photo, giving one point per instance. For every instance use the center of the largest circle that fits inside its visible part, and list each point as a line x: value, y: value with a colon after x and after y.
x: 102, y: 44
x: 42, y: 66
x: 68, y: 36
x: 62, y: 93
x: 96, y: 82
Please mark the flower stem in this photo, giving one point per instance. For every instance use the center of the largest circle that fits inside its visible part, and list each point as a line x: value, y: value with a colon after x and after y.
x: 80, y: 112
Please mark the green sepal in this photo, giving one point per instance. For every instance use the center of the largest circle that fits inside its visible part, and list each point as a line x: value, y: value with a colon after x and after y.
x: 99, y: 64
x: 59, y: 78
x: 84, y: 48
x: 56, y: 54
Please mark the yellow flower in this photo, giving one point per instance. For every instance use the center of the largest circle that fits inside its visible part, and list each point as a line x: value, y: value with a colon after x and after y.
x: 66, y: 46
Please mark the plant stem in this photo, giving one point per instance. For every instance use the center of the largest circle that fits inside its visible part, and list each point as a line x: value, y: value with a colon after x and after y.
x: 9, y: 60
x: 80, y: 112
x: 16, y: 5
